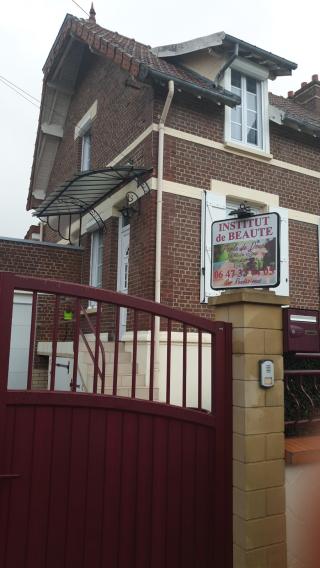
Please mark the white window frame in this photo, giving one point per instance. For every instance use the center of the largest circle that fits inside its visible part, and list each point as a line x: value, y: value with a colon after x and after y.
x: 96, y: 263
x: 86, y: 147
x: 253, y: 71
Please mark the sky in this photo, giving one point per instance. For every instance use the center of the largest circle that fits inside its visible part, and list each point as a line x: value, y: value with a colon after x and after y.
x: 28, y: 29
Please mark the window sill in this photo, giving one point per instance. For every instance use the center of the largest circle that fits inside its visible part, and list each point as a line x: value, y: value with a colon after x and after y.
x: 248, y: 150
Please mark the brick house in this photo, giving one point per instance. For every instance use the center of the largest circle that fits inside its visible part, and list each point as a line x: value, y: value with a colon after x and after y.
x: 138, y: 150
x: 102, y: 102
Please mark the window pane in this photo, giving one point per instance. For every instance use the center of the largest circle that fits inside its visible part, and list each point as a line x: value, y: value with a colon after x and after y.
x: 251, y: 85
x: 251, y: 119
x: 235, y: 79
x: 251, y: 101
x: 236, y: 131
x: 86, y: 152
x: 252, y: 136
x: 236, y: 114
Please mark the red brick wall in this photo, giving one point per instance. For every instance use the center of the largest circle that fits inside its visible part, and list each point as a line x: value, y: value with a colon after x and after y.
x: 41, y: 260
x: 203, y: 119
x: 304, y: 265
x: 181, y: 258
x: 123, y: 113
x: 192, y: 164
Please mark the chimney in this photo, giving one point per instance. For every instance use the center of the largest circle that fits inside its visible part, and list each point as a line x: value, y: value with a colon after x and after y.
x: 309, y: 94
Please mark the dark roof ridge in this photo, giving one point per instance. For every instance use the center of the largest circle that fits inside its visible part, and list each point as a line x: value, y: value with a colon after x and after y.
x: 298, y: 105
x: 136, y: 58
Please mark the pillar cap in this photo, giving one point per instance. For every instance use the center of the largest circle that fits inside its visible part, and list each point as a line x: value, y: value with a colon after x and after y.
x: 249, y: 296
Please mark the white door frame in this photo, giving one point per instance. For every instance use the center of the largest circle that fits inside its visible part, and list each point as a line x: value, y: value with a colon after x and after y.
x: 122, y: 279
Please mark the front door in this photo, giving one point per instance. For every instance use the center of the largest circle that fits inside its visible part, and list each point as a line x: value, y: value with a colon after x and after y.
x: 123, y: 269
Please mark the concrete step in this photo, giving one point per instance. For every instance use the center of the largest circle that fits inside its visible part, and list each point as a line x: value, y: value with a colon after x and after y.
x: 109, y: 346
x: 123, y: 368
x: 123, y: 356
x: 124, y: 381
x: 142, y: 393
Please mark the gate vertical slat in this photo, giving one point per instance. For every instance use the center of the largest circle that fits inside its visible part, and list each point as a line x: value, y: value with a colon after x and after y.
x: 184, y: 367
x: 20, y: 497
x: 134, y: 355
x: 159, y: 494
x: 54, y: 342
x: 37, y: 525
x: 151, y: 375
x: 116, y: 352
x: 96, y: 351
x: 6, y: 308
x: 174, y: 475
x: 77, y: 487
x: 58, y: 504
x: 110, y: 523
x: 76, y: 346
x: 32, y: 339
x: 128, y: 496
x: 144, y: 492
x: 188, y: 559
x: 168, y: 382
x: 199, y: 369
x: 95, y: 484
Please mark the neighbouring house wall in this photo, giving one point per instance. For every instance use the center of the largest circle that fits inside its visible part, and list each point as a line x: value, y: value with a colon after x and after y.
x: 38, y: 259
x: 31, y: 258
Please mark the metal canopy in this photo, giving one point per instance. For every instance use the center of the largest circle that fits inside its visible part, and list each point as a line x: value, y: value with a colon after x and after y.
x: 86, y: 190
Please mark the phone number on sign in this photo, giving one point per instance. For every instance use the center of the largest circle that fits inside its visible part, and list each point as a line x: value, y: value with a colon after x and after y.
x: 220, y: 274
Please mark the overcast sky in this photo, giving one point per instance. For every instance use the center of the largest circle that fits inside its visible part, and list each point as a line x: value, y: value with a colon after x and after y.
x: 28, y: 29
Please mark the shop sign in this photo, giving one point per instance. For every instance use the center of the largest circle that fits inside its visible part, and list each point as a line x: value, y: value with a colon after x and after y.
x: 245, y: 252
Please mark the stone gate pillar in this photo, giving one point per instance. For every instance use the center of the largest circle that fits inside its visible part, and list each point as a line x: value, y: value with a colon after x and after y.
x: 258, y: 427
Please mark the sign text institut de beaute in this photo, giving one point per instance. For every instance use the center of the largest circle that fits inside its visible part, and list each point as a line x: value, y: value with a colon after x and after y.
x: 245, y: 252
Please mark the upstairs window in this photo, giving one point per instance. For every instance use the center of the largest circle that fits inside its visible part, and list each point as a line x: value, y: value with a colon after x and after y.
x: 246, y: 119
x: 86, y: 152
x: 247, y: 125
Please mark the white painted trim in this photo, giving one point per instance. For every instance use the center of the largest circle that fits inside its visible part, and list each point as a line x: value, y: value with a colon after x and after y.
x: 303, y: 217
x: 108, y: 208
x: 240, y: 192
x: 250, y: 155
x: 52, y: 129
x: 230, y: 149
x: 249, y: 68
x: 133, y: 145
x: 260, y: 75
x: 84, y: 124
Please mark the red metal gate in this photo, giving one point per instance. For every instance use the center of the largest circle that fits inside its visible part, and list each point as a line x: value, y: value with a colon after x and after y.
x: 94, y: 480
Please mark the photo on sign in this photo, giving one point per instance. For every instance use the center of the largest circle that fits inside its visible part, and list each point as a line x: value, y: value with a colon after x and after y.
x: 245, y: 252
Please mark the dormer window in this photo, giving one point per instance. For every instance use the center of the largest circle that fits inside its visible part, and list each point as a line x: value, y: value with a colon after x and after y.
x: 247, y: 125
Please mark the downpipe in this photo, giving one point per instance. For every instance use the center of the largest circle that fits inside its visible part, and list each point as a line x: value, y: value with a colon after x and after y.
x: 157, y: 291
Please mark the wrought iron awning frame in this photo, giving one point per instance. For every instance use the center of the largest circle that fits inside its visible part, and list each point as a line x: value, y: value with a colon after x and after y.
x: 76, y: 205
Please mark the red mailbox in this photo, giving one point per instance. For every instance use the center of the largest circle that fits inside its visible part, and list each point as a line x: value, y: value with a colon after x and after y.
x: 301, y: 331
